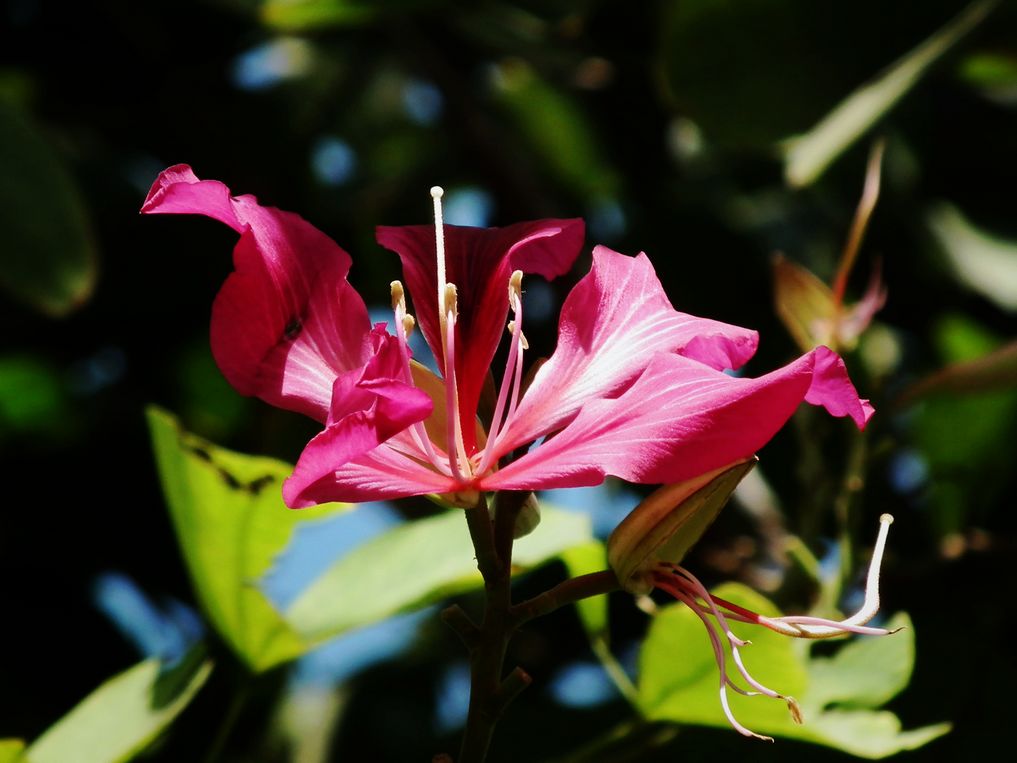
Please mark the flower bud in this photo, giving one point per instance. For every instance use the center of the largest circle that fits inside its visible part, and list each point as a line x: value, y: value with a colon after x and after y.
x: 666, y: 524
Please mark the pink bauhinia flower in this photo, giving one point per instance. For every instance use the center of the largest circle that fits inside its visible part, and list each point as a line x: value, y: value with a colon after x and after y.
x: 634, y: 388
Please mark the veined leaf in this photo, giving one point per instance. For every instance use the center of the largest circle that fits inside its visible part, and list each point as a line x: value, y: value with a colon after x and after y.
x: 231, y: 522
x: 414, y: 565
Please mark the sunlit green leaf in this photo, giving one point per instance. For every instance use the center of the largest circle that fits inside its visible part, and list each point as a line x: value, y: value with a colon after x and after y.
x: 865, y: 672
x: 414, y: 565
x: 983, y: 262
x: 810, y: 154
x: 582, y: 560
x: 307, y: 15
x: 121, y: 717
x: 231, y: 523
x: 48, y: 257
x: 10, y: 750
x: 678, y: 678
x: 679, y: 681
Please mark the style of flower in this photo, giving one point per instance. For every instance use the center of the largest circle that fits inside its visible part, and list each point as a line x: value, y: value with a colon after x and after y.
x: 634, y: 389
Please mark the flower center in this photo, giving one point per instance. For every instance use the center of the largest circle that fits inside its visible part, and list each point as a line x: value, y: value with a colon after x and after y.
x: 458, y: 464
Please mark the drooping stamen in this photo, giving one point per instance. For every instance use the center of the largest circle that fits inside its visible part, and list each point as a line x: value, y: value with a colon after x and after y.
x: 511, y: 378
x: 720, y: 657
x: 696, y: 588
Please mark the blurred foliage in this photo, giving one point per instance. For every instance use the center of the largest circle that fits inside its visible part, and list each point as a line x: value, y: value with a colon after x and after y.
x: 48, y: 258
x: 666, y: 125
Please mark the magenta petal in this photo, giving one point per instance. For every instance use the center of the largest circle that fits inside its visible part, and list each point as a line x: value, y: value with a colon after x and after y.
x: 383, y: 474
x: 369, y: 406
x: 285, y: 322
x: 479, y: 262
x: 612, y: 325
x: 681, y: 419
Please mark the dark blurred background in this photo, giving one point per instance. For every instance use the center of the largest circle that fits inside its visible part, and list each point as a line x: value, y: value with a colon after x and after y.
x: 659, y: 123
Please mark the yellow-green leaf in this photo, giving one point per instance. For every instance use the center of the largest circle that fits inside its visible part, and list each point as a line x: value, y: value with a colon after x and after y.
x: 231, y: 522
x: 414, y: 565
x: 121, y: 717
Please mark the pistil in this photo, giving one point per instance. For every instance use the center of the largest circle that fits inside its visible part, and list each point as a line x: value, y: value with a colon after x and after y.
x: 459, y: 463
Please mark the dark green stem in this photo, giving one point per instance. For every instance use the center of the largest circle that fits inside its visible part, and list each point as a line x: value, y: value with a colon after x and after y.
x: 229, y: 720
x: 489, y: 694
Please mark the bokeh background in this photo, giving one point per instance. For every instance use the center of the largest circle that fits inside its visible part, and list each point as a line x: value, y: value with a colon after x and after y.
x: 664, y: 125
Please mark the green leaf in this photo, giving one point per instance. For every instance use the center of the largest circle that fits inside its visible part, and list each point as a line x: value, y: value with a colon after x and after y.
x: 121, y: 717
x: 718, y: 67
x: 10, y: 750
x: 678, y: 678
x: 570, y: 151
x: 965, y: 440
x: 985, y: 263
x: 582, y: 560
x: 32, y: 398
x: 308, y: 15
x: 48, y: 259
x: 679, y: 681
x: 865, y: 672
x: 807, y: 156
x: 302, y: 15
x: 414, y: 565
x: 231, y: 523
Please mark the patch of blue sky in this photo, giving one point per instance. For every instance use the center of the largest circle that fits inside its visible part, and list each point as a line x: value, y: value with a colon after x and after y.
x: 342, y: 658
x: 333, y: 161
x: 452, y: 698
x: 422, y: 102
x: 315, y: 546
x: 605, y: 504
x: 166, y: 632
x: 468, y: 205
x: 270, y: 63
x: 582, y: 684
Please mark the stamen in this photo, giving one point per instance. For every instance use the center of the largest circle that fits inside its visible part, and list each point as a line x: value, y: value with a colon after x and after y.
x: 398, y: 297
x: 453, y: 432
x: 512, y: 376
x: 409, y: 323
x: 404, y: 324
